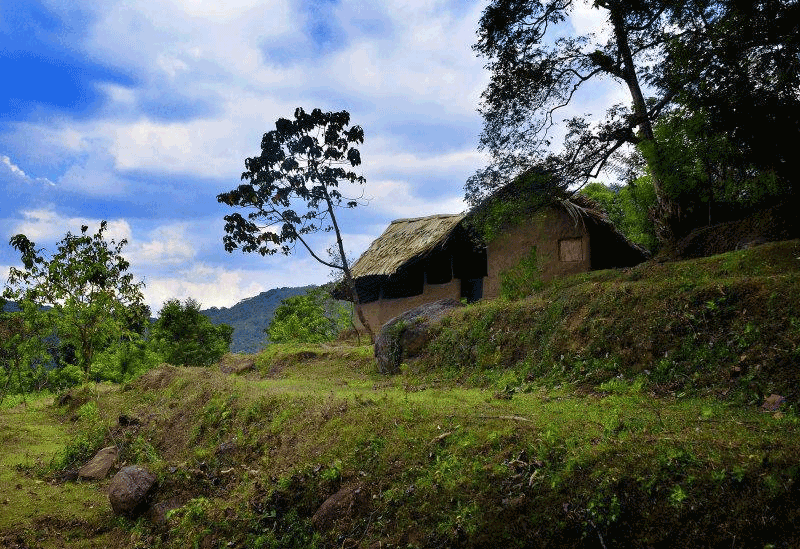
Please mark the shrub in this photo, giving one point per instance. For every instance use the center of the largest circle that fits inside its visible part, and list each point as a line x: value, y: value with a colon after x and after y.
x: 184, y: 336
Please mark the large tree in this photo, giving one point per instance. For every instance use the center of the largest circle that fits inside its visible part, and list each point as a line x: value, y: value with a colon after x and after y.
x: 536, y: 70
x: 735, y: 61
x: 301, y: 165
x: 84, y: 289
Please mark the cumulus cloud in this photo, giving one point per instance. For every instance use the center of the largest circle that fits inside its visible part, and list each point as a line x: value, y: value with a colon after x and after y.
x: 217, y: 286
x: 167, y: 245
x: 589, y: 20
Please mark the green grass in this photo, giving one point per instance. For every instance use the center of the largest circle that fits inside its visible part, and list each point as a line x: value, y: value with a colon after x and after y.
x: 40, y: 511
x: 612, y: 408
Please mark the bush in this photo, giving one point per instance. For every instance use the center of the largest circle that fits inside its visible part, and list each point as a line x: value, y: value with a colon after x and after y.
x: 124, y: 361
x: 184, y: 336
x: 311, y: 318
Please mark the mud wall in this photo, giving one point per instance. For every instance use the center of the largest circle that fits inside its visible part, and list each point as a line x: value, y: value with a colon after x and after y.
x: 381, y: 311
x: 562, y: 248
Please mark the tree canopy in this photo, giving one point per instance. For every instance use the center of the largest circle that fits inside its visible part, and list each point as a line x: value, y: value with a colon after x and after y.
x: 673, y: 56
x: 84, y: 288
x: 292, y: 189
x: 186, y: 337
x: 314, y: 317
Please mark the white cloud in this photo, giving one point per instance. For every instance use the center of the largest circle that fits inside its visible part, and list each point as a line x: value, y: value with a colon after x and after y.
x: 17, y: 172
x: 167, y: 245
x: 397, y: 200
x: 586, y: 19
x: 217, y: 286
x: 45, y: 226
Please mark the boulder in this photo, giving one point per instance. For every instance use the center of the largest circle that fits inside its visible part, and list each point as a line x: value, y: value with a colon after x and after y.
x: 130, y: 490
x: 406, y: 335
x: 347, y: 503
x: 97, y: 468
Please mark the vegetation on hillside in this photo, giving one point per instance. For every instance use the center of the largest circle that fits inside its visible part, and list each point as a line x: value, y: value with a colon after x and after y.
x: 250, y: 317
x: 651, y: 407
x: 78, y: 315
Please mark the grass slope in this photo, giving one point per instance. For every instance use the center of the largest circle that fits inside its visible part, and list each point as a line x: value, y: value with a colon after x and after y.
x: 614, y: 409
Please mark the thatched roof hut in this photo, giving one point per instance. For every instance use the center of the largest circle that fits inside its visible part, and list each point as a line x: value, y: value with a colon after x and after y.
x: 423, y: 259
x: 405, y: 241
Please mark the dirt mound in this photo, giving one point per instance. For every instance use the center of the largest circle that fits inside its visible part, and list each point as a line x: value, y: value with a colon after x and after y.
x: 158, y: 378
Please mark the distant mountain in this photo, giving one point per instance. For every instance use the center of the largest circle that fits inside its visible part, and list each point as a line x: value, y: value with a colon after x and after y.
x: 10, y: 307
x: 250, y: 317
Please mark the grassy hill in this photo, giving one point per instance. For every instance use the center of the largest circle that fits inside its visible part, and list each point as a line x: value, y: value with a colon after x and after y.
x: 638, y: 408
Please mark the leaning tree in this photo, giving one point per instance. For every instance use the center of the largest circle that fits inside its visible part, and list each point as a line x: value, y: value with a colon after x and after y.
x: 734, y: 60
x: 292, y: 189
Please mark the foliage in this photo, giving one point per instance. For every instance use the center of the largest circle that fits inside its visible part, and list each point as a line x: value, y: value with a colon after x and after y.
x: 184, y: 336
x: 311, y: 318
x: 741, y: 70
x: 724, y: 77
x: 124, y: 361
x: 705, y: 173
x: 517, y: 202
x: 523, y: 279
x: 91, y: 299
x: 22, y: 351
x: 302, y: 163
x: 628, y: 207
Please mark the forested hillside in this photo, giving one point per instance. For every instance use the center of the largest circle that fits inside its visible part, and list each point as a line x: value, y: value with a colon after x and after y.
x: 250, y: 317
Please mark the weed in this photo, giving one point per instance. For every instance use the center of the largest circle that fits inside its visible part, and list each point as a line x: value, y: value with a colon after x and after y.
x: 677, y: 496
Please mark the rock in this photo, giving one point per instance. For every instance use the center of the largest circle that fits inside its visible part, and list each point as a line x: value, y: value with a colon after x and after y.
x: 158, y: 512
x: 406, y: 335
x: 343, y: 504
x: 130, y: 490
x: 127, y: 421
x: 97, y: 468
x: 773, y: 403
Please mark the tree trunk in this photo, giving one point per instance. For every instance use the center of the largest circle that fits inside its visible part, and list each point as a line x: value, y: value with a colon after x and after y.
x: 347, y: 275
x: 666, y: 214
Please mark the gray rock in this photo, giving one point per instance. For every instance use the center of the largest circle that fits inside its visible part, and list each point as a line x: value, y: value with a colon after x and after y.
x: 130, y: 490
x: 98, y: 467
x: 406, y: 335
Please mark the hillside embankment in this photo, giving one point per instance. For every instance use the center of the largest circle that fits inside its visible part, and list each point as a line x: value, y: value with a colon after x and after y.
x: 651, y: 407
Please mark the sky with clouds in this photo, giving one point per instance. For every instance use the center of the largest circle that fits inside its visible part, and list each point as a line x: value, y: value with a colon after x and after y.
x: 141, y: 113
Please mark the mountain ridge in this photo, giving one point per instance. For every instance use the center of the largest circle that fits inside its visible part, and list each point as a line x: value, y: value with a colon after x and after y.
x: 251, y: 316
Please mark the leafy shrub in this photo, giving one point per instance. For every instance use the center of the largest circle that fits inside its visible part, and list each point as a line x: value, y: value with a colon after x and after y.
x: 311, y: 318
x: 184, y: 336
x: 124, y: 361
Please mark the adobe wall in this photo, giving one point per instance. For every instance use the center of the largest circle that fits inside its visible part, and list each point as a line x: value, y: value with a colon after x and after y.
x: 381, y: 311
x: 562, y: 248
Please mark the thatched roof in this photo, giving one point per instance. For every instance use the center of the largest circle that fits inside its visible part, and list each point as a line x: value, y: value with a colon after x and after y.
x: 404, y: 240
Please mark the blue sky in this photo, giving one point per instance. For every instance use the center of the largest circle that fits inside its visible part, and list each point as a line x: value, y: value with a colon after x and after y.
x: 141, y: 112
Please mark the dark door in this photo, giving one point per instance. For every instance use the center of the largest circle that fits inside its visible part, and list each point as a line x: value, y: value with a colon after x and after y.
x: 472, y: 289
